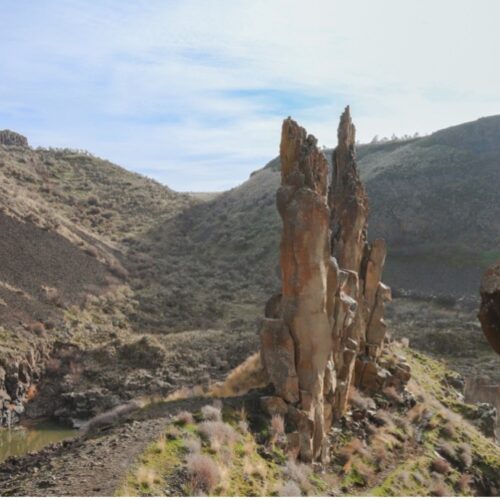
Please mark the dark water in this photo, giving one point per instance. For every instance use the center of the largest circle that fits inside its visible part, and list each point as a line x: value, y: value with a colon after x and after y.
x: 32, y: 437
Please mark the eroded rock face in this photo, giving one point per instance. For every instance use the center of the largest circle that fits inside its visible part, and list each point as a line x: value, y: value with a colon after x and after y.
x: 325, y: 331
x: 489, y: 312
x: 10, y: 138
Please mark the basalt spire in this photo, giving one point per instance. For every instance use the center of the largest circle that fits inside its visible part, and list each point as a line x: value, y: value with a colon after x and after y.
x: 325, y: 331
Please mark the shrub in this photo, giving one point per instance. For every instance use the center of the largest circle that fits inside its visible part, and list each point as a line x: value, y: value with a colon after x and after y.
x: 440, y: 465
x: 289, y: 489
x: 218, y: 433
x: 359, y: 401
x: 439, y: 489
x: 382, y: 418
x: 92, y: 201
x: 392, y: 395
x: 184, y: 418
x: 38, y: 328
x: 464, y: 455
x: 299, y: 474
x: 364, y: 471
x: 192, y: 445
x: 449, y: 431
x: 447, y: 450
x: 464, y: 482
x: 204, y: 473
x: 211, y: 413
x: 349, y: 450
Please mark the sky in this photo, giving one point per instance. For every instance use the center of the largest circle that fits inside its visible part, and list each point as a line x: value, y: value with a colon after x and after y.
x: 193, y: 92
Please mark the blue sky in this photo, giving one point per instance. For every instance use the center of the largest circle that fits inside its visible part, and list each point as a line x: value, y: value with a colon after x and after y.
x: 192, y: 93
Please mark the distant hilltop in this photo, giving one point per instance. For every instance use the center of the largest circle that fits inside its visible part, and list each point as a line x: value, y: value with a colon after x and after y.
x: 10, y: 138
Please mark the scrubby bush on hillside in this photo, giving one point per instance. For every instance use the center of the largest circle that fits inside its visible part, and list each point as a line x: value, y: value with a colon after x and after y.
x: 204, y: 473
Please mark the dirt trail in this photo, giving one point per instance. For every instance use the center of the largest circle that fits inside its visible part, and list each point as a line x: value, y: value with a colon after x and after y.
x: 88, y: 466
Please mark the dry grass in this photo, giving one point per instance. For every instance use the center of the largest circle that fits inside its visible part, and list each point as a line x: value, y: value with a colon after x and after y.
x: 146, y: 476
x: 277, y: 427
x: 204, y: 473
x: 186, y: 393
x: 248, y: 375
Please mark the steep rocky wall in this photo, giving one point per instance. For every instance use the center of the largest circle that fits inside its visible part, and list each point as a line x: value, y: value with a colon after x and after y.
x: 489, y: 313
x: 325, y: 331
x: 19, y: 376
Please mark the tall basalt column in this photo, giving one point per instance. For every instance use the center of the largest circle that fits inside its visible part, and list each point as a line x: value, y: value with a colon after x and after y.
x: 347, y: 199
x: 305, y: 266
x: 325, y: 329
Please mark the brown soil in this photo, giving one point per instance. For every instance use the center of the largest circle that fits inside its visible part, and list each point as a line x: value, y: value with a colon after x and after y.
x: 33, y: 259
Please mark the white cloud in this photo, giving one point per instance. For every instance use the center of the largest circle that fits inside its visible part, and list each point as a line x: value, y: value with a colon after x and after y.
x: 159, y: 86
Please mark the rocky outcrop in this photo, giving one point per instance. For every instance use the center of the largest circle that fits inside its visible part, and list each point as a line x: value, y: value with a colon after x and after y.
x: 19, y: 377
x: 484, y: 391
x: 325, y: 331
x: 489, y: 312
x: 10, y: 138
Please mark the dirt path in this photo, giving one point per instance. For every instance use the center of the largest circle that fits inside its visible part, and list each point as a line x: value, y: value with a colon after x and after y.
x: 93, y: 466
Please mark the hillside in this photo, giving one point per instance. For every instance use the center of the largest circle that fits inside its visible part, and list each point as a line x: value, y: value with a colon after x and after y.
x: 434, y: 199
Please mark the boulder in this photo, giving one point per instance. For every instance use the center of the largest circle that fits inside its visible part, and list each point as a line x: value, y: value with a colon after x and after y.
x: 489, y: 312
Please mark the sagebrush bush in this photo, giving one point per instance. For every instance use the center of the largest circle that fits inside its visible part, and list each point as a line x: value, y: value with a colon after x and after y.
x: 298, y: 473
x: 440, y: 465
x: 218, y: 433
x: 192, y: 445
x: 289, y: 489
x: 203, y: 471
x: 447, y: 450
x: 211, y: 413
x: 184, y: 418
x: 38, y: 328
x: 464, y: 454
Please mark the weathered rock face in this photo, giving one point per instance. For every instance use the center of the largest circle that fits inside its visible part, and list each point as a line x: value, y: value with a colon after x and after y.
x: 9, y: 138
x: 489, y: 312
x: 325, y: 331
